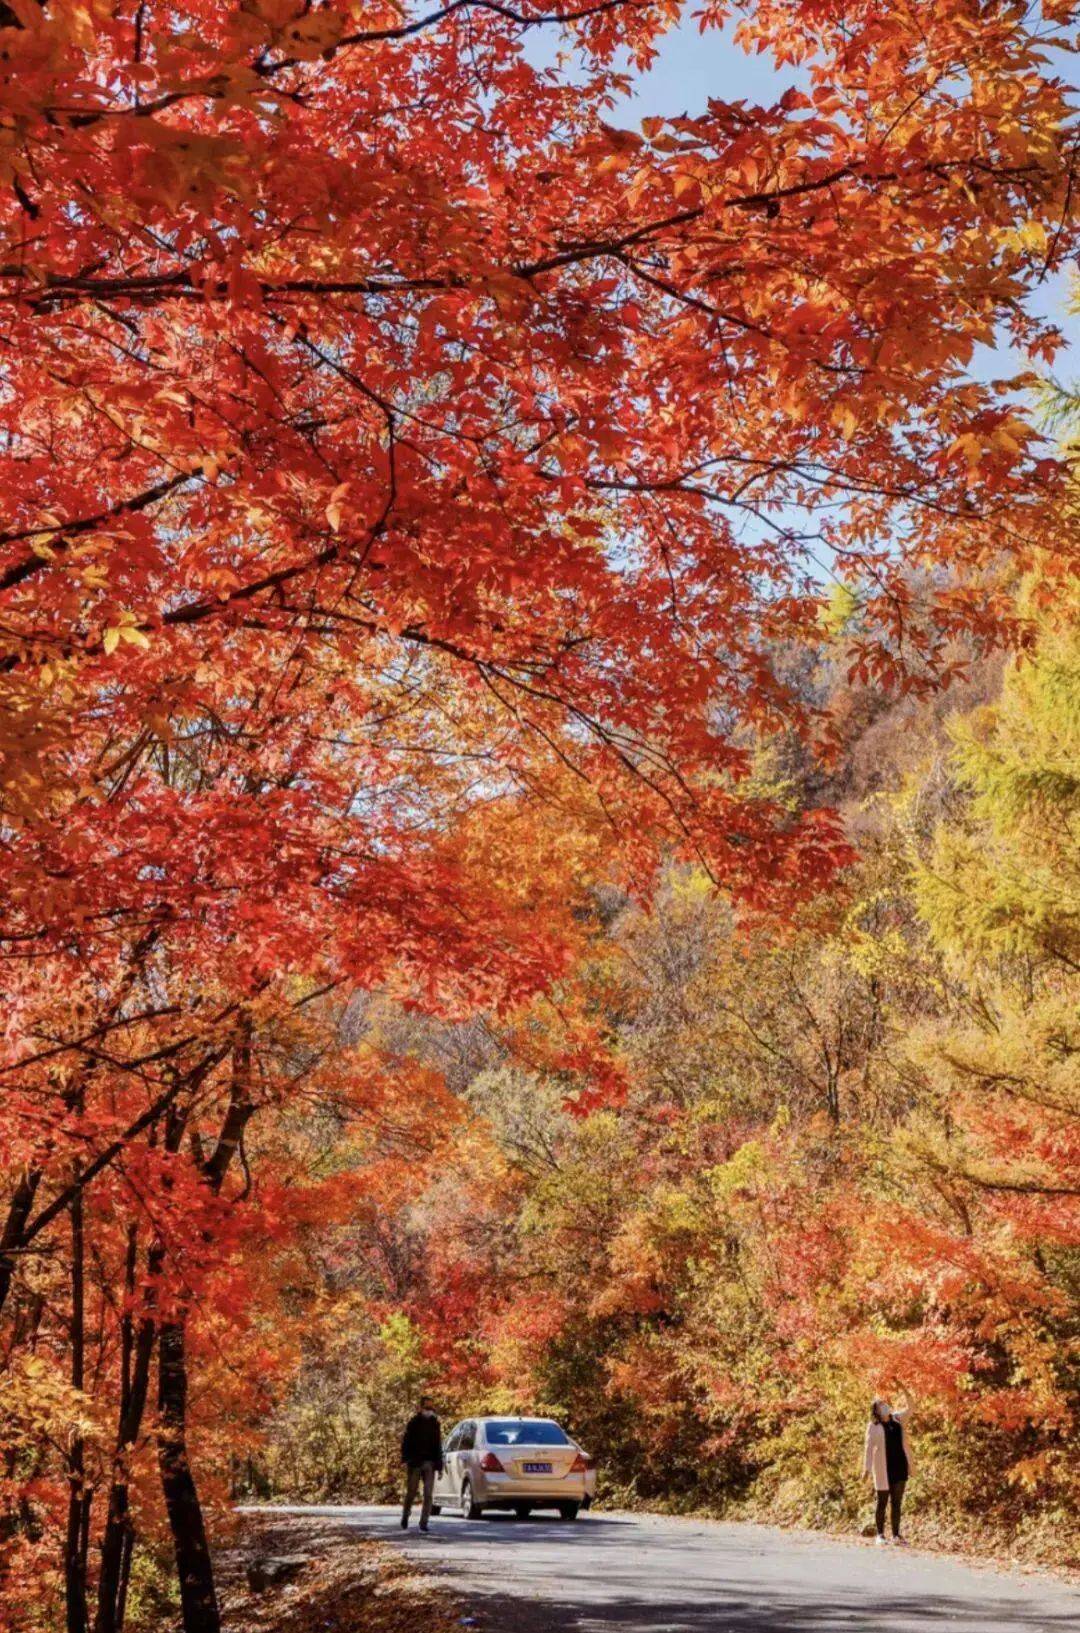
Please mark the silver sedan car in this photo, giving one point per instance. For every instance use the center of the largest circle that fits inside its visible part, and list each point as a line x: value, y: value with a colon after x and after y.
x: 513, y: 1463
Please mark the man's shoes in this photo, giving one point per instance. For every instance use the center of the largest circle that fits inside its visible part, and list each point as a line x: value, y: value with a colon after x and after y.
x: 404, y: 1523
x: 423, y: 1528
x: 900, y: 1542
x: 879, y: 1542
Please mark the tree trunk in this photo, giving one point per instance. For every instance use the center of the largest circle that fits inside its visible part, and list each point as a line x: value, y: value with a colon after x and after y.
x: 11, y: 1237
x: 118, y: 1538
x: 118, y: 1531
x: 198, y: 1599
x: 125, y: 1575
x: 78, y: 1516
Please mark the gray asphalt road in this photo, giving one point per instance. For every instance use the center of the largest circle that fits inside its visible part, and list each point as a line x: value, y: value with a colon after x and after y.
x: 613, y: 1573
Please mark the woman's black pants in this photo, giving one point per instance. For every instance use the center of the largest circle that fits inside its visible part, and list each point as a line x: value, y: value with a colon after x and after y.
x: 893, y: 1501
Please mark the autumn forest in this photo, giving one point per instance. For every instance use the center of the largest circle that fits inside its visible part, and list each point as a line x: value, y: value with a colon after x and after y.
x: 539, y: 764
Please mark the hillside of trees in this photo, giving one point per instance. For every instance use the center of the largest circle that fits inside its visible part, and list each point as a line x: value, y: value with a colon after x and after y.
x: 845, y: 1156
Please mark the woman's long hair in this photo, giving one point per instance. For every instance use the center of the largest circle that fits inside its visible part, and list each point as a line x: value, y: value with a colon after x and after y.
x: 875, y: 1412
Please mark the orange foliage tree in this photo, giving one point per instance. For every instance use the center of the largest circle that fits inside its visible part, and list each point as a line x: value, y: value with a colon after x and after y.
x: 392, y: 448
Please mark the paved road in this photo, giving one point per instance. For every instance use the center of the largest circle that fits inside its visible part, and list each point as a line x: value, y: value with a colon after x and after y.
x: 613, y: 1573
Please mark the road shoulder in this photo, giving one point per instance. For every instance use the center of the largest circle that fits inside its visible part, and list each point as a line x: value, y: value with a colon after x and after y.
x: 301, y: 1572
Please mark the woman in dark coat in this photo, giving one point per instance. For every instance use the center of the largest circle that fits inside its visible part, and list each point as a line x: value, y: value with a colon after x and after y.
x: 887, y: 1461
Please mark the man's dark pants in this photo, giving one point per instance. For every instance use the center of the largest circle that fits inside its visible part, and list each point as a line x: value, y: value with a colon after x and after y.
x: 422, y: 1472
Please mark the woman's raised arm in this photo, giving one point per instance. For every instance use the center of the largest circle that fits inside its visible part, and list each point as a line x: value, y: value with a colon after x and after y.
x: 901, y: 1412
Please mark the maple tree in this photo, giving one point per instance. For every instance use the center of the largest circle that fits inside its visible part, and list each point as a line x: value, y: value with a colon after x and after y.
x: 407, y: 477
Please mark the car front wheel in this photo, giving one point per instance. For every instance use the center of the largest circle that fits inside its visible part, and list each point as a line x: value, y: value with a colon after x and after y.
x: 523, y: 1510
x: 470, y: 1508
x: 568, y: 1511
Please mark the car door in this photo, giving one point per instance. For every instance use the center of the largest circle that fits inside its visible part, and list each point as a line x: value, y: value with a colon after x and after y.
x: 463, y: 1457
x: 445, y: 1491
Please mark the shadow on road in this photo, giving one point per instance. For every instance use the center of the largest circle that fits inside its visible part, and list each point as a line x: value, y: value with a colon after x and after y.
x: 748, y: 1607
x: 505, y: 1527
x: 742, y: 1608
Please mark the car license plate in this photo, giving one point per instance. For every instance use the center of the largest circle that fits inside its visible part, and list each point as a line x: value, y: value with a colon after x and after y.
x: 536, y: 1468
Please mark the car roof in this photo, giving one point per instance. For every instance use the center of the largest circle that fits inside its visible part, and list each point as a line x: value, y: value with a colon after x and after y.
x: 506, y: 1417
x: 516, y: 1417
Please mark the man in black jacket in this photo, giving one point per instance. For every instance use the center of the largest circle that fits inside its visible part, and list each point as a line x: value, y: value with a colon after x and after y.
x: 421, y: 1453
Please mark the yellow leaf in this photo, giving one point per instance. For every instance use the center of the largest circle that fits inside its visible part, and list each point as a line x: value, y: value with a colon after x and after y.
x: 111, y: 641
x: 970, y: 446
x: 333, y: 509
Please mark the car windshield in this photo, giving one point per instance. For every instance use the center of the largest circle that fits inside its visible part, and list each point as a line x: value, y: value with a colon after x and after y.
x: 524, y: 1432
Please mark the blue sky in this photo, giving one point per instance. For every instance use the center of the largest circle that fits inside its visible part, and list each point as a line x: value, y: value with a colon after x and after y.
x: 693, y: 66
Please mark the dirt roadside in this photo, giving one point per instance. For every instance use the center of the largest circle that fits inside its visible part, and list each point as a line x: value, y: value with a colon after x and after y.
x: 282, y: 1574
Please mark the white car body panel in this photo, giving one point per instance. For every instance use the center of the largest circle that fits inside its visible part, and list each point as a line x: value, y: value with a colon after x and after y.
x: 534, y: 1473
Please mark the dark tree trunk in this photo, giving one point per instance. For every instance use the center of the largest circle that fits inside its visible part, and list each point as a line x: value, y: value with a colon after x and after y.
x: 118, y: 1529
x: 125, y: 1575
x: 78, y: 1516
x: 198, y: 1598
x: 118, y: 1538
x: 11, y: 1236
